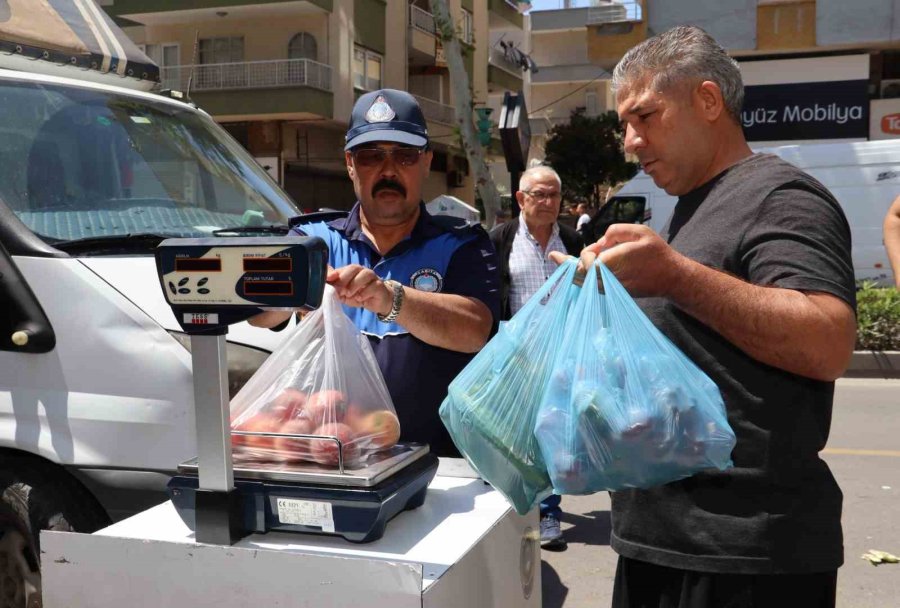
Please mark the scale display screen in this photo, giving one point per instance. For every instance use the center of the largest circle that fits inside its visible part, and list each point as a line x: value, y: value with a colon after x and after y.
x: 268, y: 288
x: 211, y: 283
x: 268, y: 264
x: 198, y: 264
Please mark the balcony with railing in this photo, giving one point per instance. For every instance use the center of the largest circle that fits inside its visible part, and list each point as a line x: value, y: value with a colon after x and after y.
x: 422, y: 37
x: 249, y: 75
x: 284, y: 86
x: 505, y: 14
x: 576, y: 15
x: 436, y: 111
x: 504, y: 68
x: 505, y: 58
x: 422, y: 20
x: 615, y: 12
x: 159, y: 11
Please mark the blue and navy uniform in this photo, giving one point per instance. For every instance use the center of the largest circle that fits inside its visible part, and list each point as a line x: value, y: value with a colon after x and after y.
x: 442, y: 254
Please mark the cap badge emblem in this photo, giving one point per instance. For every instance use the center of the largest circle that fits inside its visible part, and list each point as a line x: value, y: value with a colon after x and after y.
x: 380, y: 111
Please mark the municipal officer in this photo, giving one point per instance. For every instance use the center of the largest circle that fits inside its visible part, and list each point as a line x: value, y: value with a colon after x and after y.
x: 423, y: 288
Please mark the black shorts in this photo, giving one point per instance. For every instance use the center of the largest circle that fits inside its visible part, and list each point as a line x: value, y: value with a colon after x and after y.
x: 642, y: 585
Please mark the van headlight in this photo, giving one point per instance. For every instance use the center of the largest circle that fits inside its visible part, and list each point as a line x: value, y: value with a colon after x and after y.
x: 243, y: 361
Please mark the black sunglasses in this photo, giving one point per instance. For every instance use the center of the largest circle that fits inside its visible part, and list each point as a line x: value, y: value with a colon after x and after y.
x: 374, y: 157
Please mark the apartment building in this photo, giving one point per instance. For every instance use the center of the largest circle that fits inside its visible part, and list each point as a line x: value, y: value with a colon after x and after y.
x: 282, y: 76
x: 814, y: 70
x: 568, y: 78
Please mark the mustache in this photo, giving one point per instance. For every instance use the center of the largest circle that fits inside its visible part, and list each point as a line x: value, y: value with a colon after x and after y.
x: 388, y: 184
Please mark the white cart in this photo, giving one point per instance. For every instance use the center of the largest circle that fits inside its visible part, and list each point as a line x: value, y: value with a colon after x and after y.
x: 465, y: 547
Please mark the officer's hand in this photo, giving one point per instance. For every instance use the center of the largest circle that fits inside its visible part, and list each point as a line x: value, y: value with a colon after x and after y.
x: 360, y: 287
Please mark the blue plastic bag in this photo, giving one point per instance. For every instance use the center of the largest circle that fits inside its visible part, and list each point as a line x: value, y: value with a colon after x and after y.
x: 625, y: 408
x: 491, y: 405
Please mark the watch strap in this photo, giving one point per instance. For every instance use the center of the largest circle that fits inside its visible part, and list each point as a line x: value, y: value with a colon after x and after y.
x: 395, y: 304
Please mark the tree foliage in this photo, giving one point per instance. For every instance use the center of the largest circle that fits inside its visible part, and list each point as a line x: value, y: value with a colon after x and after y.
x: 877, y: 317
x: 587, y: 153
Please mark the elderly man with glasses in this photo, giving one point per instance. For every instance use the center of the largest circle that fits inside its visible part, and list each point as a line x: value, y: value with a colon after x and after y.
x: 522, y: 248
x: 422, y: 288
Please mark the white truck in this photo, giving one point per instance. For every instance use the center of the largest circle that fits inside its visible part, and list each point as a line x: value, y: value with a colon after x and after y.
x: 863, y: 176
x: 96, y: 392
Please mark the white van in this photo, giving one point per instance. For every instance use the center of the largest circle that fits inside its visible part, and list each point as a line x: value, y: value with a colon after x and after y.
x: 863, y: 176
x: 96, y: 393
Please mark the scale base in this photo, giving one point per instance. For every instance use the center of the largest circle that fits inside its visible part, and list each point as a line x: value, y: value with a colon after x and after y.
x: 358, y: 514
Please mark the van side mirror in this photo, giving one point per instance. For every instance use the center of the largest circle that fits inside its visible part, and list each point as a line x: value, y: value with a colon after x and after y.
x: 24, y: 326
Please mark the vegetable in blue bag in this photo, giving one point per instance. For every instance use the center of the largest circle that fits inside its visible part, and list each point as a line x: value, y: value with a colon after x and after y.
x: 626, y: 408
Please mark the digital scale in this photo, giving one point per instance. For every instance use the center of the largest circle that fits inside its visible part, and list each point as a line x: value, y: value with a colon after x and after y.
x: 211, y: 284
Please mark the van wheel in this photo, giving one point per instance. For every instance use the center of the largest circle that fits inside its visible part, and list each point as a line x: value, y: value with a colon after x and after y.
x: 35, y: 496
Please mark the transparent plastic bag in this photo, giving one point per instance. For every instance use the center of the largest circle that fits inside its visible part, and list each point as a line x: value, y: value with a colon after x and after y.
x: 323, y: 380
x: 625, y: 407
x: 491, y: 405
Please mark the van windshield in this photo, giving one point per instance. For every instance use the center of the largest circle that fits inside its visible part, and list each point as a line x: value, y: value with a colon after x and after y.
x: 82, y: 164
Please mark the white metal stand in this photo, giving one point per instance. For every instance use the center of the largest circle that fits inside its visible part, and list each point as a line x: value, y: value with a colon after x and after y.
x: 464, y: 547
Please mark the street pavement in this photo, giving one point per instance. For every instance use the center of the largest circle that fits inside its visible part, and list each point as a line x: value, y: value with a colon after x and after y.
x: 863, y: 451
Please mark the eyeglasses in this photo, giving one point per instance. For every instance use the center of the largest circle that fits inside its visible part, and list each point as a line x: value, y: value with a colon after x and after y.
x: 374, y: 157
x: 542, y: 195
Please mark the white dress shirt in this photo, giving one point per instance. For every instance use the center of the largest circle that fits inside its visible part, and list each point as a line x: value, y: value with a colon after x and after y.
x: 529, y: 266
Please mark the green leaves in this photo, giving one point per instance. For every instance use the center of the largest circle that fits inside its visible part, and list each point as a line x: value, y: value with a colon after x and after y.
x: 878, y: 317
x: 587, y: 153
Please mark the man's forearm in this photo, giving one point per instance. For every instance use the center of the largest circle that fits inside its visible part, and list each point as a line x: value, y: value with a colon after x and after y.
x: 447, y: 321
x: 811, y: 335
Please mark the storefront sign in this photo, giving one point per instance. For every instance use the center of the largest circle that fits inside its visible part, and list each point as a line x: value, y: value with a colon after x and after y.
x: 809, y: 110
x: 884, y: 121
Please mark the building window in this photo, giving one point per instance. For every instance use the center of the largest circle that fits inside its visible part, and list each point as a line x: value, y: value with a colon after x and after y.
x: 222, y: 50
x: 468, y: 27
x: 366, y: 69
x: 167, y: 57
x: 303, y: 46
x: 163, y: 55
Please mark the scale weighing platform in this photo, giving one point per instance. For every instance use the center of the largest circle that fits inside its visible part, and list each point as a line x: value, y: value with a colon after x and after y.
x: 300, y: 497
x: 210, y: 284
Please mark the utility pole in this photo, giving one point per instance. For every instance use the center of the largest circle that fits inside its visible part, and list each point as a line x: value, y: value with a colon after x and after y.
x: 462, y: 101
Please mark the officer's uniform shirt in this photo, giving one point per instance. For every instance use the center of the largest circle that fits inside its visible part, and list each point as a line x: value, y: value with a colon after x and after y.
x: 442, y: 254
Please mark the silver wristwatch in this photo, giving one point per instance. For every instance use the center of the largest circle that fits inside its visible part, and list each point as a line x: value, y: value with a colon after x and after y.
x: 395, y: 305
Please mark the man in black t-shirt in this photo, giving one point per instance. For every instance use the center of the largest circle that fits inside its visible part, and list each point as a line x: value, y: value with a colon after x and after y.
x: 751, y: 279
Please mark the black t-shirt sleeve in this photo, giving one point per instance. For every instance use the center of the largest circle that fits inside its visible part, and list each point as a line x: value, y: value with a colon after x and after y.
x: 800, y: 240
x: 473, y: 272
